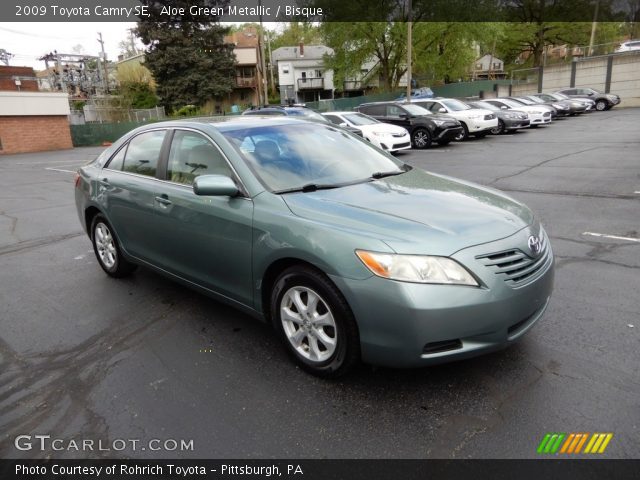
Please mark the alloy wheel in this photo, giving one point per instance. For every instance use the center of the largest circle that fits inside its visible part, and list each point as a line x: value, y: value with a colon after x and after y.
x: 308, y: 324
x: 105, y: 245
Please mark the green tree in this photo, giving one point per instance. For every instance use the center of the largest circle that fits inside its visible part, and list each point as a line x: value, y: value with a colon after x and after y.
x: 188, y: 58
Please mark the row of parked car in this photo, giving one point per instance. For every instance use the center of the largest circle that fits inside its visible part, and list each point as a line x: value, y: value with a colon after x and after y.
x: 397, y: 125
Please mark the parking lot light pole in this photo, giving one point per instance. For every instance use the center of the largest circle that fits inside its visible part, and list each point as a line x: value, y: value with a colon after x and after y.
x: 409, y: 42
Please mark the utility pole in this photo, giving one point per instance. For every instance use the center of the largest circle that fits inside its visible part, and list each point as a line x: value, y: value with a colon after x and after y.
x: 104, y: 64
x: 262, y: 61
x: 273, y: 83
x: 409, y: 42
x: 593, y: 28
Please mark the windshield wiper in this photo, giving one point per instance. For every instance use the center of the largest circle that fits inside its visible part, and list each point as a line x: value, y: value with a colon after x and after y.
x: 405, y: 168
x: 309, y: 187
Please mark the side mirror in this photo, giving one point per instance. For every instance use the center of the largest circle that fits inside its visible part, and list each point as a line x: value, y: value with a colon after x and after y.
x: 503, y: 107
x: 215, y: 186
x: 442, y: 110
x: 343, y: 124
x: 403, y: 115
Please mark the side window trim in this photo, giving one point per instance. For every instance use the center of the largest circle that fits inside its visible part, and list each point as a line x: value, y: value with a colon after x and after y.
x: 115, y: 154
x: 235, y: 177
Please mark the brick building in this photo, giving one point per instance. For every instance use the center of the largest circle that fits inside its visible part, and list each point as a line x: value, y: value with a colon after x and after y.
x: 30, y: 120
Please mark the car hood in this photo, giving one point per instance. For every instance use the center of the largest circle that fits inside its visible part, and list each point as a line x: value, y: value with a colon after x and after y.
x: 382, y: 127
x: 472, y: 112
x: 416, y: 212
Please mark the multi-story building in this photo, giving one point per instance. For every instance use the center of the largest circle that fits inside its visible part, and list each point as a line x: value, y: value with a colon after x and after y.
x: 301, y: 73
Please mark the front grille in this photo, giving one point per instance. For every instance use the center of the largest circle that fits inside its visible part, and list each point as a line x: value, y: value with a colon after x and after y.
x: 491, y: 116
x: 402, y: 145
x: 517, y: 267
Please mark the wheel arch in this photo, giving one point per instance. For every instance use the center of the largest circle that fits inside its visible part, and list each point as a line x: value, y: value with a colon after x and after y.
x: 270, y: 275
x: 89, y: 214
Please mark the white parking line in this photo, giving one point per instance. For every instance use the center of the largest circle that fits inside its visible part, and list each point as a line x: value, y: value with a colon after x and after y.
x: 615, y: 237
x: 61, y: 170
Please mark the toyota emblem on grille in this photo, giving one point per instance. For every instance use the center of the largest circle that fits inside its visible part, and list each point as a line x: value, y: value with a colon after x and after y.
x: 534, y: 244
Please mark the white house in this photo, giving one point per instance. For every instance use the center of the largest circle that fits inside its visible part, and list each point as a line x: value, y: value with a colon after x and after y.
x: 488, y: 66
x: 301, y: 73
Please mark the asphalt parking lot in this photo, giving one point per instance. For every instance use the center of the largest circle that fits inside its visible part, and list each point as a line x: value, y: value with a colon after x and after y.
x: 85, y: 356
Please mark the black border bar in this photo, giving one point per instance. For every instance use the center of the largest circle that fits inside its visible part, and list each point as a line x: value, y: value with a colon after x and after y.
x: 542, y: 469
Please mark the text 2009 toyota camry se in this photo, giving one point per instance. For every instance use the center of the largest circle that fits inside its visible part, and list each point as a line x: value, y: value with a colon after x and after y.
x: 350, y: 253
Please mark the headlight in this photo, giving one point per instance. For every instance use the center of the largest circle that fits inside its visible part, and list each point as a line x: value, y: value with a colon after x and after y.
x: 611, y: 97
x: 511, y: 115
x: 537, y: 112
x: 439, y: 122
x: 380, y: 134
x: 416, y: 268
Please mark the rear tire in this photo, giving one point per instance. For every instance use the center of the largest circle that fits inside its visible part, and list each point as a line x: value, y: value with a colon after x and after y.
x: 107, y: 249
x: 315, y: 322
x: 421, y: 138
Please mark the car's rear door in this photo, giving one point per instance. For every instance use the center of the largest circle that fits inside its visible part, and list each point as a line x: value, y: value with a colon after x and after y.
x: 206, y: 239
x: 126, y: 189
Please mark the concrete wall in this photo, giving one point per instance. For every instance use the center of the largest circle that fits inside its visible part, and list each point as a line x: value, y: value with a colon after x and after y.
x: 21, y: 134
x: 592, y: 72
x: 33, y: 103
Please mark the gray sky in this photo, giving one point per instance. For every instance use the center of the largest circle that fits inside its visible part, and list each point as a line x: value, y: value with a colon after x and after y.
x: 29, y: 41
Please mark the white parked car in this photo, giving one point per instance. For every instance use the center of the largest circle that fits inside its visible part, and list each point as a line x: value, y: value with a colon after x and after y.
x: 537, y: 115
x: 628, y: 46
x: 383, y: 135
x: 475, y: 121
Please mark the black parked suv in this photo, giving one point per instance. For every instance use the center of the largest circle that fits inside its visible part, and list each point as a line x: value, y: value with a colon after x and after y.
x: 604, y: 101
x: 425, y: 127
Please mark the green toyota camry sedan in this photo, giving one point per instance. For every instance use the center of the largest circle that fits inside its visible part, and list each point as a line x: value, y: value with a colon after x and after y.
x: 351, y: 254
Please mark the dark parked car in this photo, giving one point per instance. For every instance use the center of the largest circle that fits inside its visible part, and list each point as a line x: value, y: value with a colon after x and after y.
x: 423, y: 126
x: 507, y: 119
x: 604, y: 101
x: 575, y: 106
x: 348, y: 252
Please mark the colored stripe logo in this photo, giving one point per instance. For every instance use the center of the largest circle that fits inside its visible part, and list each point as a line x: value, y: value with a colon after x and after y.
x: 573, y: 443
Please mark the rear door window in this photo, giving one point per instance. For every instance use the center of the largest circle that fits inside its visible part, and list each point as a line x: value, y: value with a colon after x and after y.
x: 143, y: 153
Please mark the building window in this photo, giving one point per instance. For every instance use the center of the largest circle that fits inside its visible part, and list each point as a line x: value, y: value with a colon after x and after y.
x: 318, y: 73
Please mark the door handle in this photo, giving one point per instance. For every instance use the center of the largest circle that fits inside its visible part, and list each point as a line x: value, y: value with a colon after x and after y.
x: 163, y: 199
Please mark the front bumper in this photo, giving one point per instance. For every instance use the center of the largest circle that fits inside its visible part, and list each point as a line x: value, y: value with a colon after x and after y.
x: 408, y: 324
x: 514, y: 124
x: 447, y: 134
x: 480, y: 125
x: 540, y: 118
x: 393, y: 143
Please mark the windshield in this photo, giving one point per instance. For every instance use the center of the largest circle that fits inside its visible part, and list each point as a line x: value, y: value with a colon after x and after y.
x: 524, y: 101
x: 455, y: 105
x: 415, y: 109
x: 292, y: 156
x: 511, y: 103
x: 310, y: 114
x: 535, y: 99
x: 487, y: 105
x: 559, y: 96
x: 360, y: 119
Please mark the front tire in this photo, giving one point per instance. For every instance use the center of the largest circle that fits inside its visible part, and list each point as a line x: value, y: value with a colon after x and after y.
x: 499, y: 129
x: 601, y: 105
x: 315, y: 322
x: 464, y: 134
x: 107, y: 249
x: 421, y: 138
